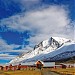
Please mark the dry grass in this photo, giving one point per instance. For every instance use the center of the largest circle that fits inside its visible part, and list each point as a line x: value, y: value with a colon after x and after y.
x: 24, y: 72
x: 67, y: 71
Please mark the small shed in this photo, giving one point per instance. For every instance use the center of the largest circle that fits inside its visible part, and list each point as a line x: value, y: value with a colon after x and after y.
x: 5, y: 68
x: 39, y: 64
x: 10, y: 67
x: 63, y: 66
x: 1, y: 67
x: 49, y: 64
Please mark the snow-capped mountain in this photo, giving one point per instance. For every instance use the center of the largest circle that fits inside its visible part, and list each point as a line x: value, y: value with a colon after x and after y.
x: 52, y: 49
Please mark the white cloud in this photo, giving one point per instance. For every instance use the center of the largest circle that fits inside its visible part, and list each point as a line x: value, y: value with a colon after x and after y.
x: 3, y: 55
x: 7, y: 56
x: 43, y: 23
x: 27, y: 4
x: 22, y: 4
x: 6, y: 50
x: 4, y: 47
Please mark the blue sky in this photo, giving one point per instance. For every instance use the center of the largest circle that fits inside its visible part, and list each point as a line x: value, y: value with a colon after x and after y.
x: 25, y: 23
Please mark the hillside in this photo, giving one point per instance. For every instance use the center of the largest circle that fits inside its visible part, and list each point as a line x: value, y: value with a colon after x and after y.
x: 52, y: 49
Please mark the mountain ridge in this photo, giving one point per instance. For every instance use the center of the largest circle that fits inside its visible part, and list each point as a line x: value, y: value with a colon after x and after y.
x: 44, y: 50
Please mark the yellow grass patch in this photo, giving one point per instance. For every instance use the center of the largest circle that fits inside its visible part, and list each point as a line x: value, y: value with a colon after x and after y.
x: 24, y: 72
x: 66, y: 71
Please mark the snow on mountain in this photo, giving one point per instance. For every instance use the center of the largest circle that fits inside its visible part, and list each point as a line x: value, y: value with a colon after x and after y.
x: 63, y: 52
x: 48, y: 50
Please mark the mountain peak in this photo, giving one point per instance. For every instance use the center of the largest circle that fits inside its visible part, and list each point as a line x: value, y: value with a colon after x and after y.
x: 50, y: 48
x: 53, y: 41
x: 61, y: 40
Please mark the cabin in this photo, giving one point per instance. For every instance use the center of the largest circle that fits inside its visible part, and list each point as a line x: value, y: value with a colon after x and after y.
x: 1, y: 67
x: 39, y: 64
x: 68, y: 65
x: 10, y: 67
x: 49, y: 64
x: 5, y: 68
x: 63, y: 66
x: 23, y: 67
x: 28, y: 65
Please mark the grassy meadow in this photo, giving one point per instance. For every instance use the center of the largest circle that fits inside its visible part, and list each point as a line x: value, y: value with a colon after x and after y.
x: 59, y: 71
x: 24, y: 72
x: 67, y: 71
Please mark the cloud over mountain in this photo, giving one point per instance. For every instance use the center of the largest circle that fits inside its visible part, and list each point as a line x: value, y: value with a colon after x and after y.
x: 42, y: 23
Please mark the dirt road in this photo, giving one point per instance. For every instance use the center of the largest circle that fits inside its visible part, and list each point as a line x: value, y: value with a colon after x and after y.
x: 49, y: 73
